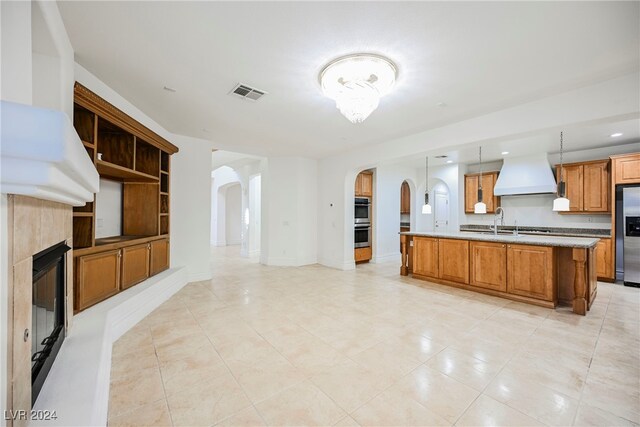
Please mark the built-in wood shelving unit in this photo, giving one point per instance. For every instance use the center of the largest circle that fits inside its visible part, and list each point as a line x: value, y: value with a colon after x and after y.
x: 125, y: 151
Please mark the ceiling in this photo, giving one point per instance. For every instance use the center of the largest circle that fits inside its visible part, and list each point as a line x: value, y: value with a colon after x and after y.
x: 475, y: 57
x: 227, y: 158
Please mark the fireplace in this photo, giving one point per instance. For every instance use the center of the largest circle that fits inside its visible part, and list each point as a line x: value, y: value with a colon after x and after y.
x: 47, y: 312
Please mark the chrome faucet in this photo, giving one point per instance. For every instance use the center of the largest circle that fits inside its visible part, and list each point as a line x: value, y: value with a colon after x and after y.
x: 499, y: 211
x: 515, y: 231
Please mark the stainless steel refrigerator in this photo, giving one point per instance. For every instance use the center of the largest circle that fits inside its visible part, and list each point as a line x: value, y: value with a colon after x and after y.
x: 631, y: 237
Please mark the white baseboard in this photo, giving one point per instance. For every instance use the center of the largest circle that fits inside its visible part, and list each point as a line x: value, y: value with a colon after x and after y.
x: 387, y: 258
x: 77, y: 386
x: 198, y: 277
x: 290, y: 262
x: 338, y: 264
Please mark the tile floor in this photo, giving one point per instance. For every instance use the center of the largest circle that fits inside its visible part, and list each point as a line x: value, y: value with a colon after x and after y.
x: 276, y: 346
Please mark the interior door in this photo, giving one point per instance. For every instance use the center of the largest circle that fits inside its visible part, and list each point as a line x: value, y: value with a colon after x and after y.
x: 441, y: 211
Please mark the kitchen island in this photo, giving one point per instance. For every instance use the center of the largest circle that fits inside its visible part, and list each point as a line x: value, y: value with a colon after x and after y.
x: 540, y: 270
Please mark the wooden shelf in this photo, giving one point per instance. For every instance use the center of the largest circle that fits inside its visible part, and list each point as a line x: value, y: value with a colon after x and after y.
x: 164, y: 172
x: 83, y: 214
x: 88, y: 144
x: 164, y: 193
x: 117, y: 239
x: 120, y: 173
x: 164, y: 214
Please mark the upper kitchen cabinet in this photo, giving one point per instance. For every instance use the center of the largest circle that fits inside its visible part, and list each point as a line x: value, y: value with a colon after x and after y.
x: 405, y: 198
x: 627, y: 168
x: 364, y: 184
x: 471, y: 191
x: 587, y: 186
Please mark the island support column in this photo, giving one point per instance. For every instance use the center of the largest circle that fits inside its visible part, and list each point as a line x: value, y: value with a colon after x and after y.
x: 405, y: 249
x: 584, y: 280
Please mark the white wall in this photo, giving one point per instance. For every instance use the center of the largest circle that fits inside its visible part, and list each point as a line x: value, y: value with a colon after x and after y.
x: 221, y: 179
x: 190, y: 196
x: 15, y: 86
x: 289, y: 211
x: 109, y: 209
x: 233, y: 214
x: 386, y: 209
x: 255, y: 195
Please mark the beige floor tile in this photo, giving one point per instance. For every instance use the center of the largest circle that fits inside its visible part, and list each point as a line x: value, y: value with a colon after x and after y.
x: 396, y: 409
x: 591, y: 416
x: 151, y: 415
x: 275, y: 328
x: 544, y: 404
x: 303, y: 404
x: 439, y: 393
x: 185, y: 372
x: 347, y: 422
x: 488, y: 412
x: 261, y: 381
x: 350, y: 385
x: 207, y: 402
x: 246, y: 418
x: 468, y: 370
x: 137, y: 389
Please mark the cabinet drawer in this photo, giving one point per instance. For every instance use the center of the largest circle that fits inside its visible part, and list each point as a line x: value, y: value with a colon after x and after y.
x: 135, y: 264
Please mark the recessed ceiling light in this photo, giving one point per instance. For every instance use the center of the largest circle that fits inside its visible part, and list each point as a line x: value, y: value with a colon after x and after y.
x: 449, y: 161
x: 504, y: 153
x: 615, y: 135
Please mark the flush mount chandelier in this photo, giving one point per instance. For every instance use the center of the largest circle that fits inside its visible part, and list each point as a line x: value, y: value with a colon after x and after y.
x: 357, y: 82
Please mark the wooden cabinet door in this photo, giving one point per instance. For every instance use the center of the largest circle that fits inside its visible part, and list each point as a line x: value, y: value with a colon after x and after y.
x: 362, y: 254
x: 135, y: 264
x: 453, y: 257
x: 628, y: 169
x: 596, y: 187
x: 159, y: 256
x: 604, y: 269
x: 470, y: 193
x: 425, y: 256
x: 531, y: 271
x: 405, y: 198
x: 488, y: 182
x: 367, y: 184
x: 98, y: 277
x: 358, y: 185
x: 489, y: 265
x: 573, y: 178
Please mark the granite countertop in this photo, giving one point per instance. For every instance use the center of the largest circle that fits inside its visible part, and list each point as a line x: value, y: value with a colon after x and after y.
x: 547, y: 240
x: 600, y: 233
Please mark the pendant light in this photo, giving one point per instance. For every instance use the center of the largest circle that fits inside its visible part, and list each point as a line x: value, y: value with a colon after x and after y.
x: 426, y: 208
x: 480, y: 207
x: 561, y: 203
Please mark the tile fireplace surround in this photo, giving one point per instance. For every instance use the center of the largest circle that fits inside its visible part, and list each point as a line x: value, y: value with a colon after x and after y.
x: 33, y: 225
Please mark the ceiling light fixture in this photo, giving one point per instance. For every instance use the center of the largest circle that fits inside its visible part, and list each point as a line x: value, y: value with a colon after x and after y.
x: 504, y: 153
x: 357, y: 82
x: 449, y: 161
x: 615, y: 135
x: 480, y: 207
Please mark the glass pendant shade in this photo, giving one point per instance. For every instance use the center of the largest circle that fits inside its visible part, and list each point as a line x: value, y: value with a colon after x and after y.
x: 356, y: 83
x: 561, y: 204
x: 426, y: 208
x: 480, y: 208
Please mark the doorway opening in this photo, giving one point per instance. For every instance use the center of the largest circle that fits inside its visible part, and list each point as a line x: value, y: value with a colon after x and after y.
x: 441, y: 207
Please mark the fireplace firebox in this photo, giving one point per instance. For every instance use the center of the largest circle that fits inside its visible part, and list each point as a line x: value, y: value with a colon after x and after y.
x: 47, y: 312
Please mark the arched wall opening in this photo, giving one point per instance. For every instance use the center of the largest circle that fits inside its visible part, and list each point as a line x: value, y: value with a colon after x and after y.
x: 233, y: 214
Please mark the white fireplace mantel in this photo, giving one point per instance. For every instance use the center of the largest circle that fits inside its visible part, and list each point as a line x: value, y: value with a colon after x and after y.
x: 42, y: 156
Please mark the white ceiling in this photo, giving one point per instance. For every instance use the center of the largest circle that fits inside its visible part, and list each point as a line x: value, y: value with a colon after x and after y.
x: 474, y: 56
x: 231, y: 159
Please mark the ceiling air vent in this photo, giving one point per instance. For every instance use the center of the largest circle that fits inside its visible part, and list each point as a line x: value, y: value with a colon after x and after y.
x: 247, y: 92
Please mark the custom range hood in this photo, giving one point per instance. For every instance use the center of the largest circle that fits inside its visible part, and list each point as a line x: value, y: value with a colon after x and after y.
x: 525, y: 175
x: 42, y: 156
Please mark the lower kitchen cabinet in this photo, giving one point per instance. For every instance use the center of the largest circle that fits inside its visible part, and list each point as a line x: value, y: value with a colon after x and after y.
x: 453, y: 260
x: 362, y: 254
x: 604, y: 266
x: 159, y: 256
x: 97, y: 277
x: 135, y: 264
x: 425, y: 256
x: 531, y: 272
x: 489, y: 265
